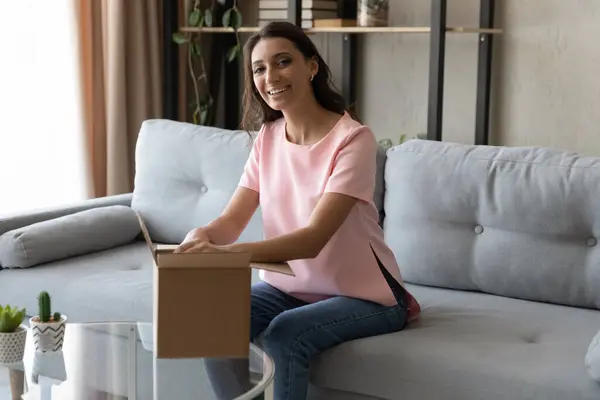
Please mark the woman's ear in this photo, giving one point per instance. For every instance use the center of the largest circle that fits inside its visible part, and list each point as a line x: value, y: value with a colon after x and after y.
x: 314, y: 66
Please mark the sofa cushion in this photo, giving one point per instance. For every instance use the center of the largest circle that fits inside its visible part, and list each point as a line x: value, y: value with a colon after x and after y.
x: 518, y: 222
x: 592, y: 358
x: 24, y: 218
x: 186, y: 174
x: 109, y: 285
x: 67, y: 236
x: 470, y: 346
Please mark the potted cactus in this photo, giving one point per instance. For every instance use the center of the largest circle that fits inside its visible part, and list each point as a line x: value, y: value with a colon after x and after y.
x: 48, y: 328
x: 12, y: 334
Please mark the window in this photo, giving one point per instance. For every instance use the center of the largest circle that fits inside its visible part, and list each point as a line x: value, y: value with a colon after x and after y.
x: 42, y: 162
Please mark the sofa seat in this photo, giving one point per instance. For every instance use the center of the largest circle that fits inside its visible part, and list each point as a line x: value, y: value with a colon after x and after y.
x: 110, y: 285
x: 473, y: 345
x: 105, y: 286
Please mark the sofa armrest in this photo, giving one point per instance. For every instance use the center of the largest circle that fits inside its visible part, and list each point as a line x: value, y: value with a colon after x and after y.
x: 9, y: 223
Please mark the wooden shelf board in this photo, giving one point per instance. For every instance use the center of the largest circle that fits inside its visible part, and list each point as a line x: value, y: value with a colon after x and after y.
x: 459, y: 29
x: 352, y: 29
x: 243, y: 29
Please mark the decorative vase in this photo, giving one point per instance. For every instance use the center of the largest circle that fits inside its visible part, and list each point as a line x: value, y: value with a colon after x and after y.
x: 48, y: 336
x: 48, y: 368
x: 372, y: 13
x: 12, y: 345
x: 146, y: 332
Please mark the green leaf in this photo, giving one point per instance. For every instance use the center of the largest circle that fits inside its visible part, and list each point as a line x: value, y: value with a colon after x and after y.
x: 232, y: 53
x: 195, y: 116
x: 208, y: 17
x: 226, y: 17
x: 180, y: 38
x: 194, y: 18
x: 196, y: 49
x: 385, y: 143
x: 236, y: 19
x: 203, y: 116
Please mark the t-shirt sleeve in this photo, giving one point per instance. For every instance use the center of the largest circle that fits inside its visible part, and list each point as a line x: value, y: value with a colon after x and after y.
x: 251, y: 175
x: 355, y: 166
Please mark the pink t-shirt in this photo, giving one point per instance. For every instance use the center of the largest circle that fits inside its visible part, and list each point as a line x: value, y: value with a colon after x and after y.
x: 290, y: 180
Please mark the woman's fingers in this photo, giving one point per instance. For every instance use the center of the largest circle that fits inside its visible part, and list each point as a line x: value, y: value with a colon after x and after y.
x: 187, y: 246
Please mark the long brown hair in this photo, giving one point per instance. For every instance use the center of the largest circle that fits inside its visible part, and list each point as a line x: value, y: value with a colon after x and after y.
x: 255, y: 111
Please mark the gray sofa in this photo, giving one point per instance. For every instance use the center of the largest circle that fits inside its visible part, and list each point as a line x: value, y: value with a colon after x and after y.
x: 499, y: 246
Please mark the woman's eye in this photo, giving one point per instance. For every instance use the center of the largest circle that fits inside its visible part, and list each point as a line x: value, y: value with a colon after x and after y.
x: 284, y: 62
x: 258, y: 70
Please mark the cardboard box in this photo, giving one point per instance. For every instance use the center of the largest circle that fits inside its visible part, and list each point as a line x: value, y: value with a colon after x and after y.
x: 201, y: 301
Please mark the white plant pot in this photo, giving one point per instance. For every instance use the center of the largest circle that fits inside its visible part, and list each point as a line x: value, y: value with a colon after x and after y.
x: 48, y: 336
x: 12, y: 346
x: 146, y: 333
x: 48, y: 368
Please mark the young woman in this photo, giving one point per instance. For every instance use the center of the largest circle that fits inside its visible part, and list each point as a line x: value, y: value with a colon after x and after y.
x: 312, y: 170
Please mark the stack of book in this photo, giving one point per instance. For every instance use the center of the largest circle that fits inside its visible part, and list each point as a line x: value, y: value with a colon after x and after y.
x: 277, y: 10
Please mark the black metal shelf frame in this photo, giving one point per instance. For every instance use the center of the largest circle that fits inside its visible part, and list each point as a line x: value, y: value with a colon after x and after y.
x: 346, y: 9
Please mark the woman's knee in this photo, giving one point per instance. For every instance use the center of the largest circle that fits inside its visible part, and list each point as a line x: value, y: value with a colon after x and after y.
x: 284, y: 332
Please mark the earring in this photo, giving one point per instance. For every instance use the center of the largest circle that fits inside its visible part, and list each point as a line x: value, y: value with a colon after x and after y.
x: 312, y: 77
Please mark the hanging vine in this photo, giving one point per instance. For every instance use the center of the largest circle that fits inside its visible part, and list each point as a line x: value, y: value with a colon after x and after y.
x: 198, y: 18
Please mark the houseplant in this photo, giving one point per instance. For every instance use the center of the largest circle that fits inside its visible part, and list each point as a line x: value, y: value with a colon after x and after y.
x: 12, y: 334
x: 198, y: 19
x: 48, y: 328
x: 387, y: 143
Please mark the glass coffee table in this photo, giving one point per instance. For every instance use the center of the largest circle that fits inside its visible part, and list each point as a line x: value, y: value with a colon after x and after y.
x: 101, y: 361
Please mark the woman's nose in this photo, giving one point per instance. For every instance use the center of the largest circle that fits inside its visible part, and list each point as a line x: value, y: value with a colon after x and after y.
x: 272, y: 75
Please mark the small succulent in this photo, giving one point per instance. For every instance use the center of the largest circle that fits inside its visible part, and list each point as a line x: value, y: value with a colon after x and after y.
x: 45, y: 308
x: 10, y: 318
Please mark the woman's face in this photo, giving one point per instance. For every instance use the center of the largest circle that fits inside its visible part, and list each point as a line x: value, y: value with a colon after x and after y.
x: 282, y: 75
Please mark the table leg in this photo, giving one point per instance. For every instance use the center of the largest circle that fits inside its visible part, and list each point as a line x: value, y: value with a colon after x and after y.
x: 17, y: 384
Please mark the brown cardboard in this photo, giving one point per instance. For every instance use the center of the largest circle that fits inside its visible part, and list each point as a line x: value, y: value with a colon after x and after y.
x: 282, y: 268
x: 201, y: 301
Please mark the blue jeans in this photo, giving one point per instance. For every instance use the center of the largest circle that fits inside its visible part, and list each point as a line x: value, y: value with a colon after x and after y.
x: 295, y: 331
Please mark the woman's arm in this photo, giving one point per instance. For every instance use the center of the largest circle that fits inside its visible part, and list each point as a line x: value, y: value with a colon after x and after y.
x: 228, y: 227
x: 329, y: 214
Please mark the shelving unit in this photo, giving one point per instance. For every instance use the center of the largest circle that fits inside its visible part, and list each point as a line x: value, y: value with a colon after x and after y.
x: 437, y: 30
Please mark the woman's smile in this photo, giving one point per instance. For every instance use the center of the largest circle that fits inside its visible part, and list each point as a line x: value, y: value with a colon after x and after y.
x: 278, y: 91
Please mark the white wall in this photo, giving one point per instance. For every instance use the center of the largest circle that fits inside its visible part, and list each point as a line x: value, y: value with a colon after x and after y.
x: 546, y: 74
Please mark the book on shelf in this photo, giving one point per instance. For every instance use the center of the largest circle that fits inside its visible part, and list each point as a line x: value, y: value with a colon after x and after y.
x: 307, y: 4
x: 307, y: 14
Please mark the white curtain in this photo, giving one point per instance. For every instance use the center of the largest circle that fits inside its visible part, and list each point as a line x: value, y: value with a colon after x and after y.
x: 42, y: 158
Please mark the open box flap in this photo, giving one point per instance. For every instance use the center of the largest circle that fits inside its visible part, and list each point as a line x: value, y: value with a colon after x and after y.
x: 146, y: 235
x: 282, y: 268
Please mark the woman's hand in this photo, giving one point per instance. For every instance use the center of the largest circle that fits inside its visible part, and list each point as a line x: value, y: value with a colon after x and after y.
x: 192, y: 239
x: 197, y: 234
x: 201, y: 246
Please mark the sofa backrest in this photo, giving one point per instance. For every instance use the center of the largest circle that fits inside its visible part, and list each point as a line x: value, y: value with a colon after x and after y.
x: 186, y: 174
x: 516, y: 222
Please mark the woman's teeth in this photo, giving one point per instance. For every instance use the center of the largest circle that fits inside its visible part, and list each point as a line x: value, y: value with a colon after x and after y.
x: 277, y: 91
